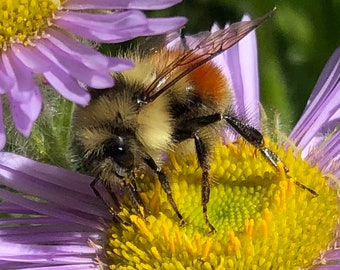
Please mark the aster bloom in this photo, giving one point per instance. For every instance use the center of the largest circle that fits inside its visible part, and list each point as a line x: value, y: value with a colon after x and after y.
x: 243, y: 78
x: 39, y: 37
x: 263, y: 220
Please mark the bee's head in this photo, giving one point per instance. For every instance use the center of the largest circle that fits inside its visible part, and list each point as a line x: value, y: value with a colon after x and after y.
x: 118, y: 150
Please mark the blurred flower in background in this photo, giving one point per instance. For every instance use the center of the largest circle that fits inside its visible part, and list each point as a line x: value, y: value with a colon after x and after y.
x: 43, y: 37
x: 262, y: 218
x: 293, y: 47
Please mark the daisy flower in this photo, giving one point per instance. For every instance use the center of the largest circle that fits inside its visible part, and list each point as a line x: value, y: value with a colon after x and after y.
x: 43, y: 38
x: 264, y: 220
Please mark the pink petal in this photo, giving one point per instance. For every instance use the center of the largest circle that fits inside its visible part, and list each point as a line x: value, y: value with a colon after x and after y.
x: 158, y: 26
x: 330, y: 158
x: 119, y: 64
x: 104, y: 22
x: 75, y: 68
x: 25, y: 113
x: 67, y: 87
x: 48, y: 173
x: 239, y: 65
x: 243, y: 74
x: 250, y: 75
x: 6, y: 82
x: 20, y: 75
x: 2, y: 128
x: 88, y: 56
x: 322, y: 112
x: 120, y: 4
x: 30, y: 58
x: 115, y: 27
x: 11, y: 248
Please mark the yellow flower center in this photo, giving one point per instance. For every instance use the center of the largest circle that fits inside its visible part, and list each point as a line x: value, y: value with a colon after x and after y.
x: 23, y: 20
x: 263, y: 219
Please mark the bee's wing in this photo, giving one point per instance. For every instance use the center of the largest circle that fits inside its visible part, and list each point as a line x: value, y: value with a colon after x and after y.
x: 207, y: 48
x: 152, y: 44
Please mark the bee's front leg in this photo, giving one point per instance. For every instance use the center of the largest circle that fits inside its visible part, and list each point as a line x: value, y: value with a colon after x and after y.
x: 163, y: 179
x: 116, y: 202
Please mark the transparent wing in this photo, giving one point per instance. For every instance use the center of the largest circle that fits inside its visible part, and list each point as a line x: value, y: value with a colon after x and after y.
x: 153, y: 44
x: 207, y: 48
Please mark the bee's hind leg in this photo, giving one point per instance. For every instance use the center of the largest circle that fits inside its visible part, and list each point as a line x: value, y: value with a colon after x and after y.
x: 254, y: 137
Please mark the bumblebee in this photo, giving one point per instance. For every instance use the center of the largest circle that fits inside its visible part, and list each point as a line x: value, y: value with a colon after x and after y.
x: 171, y: 96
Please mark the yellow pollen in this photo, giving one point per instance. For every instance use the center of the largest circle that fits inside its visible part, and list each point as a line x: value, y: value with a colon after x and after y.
x: 249, y: 226
x: 156, y: 254
x: 174, y: 161
x: 189, y: 247
x: 155, y: 199
x: 24, y: 20
x: 263, y: 217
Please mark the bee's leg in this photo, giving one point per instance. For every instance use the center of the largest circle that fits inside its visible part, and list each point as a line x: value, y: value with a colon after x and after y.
x: 112, y: 211
x: 184, y: 41
x: 254, y: 137
x: 202, y: 156
x: 138, y: 198
x: 163, y: 179
x: 249, y: 133
x: 134, y: 196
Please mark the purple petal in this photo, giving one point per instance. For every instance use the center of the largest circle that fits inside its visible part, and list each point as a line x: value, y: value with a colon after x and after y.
x: 36, y: 179
x: 322, y: 112
x: 6, y: 82
x: 43, y: 254
x: 327, y: 155
x: 330, y: 162
x: 115, y: 27
x: 74, y: 67
x: 28, y: 57
x: 28, y: 220
x: 25, y: 113
x: 15, y: 265
x: 120, y: 4
x: 326, y: 267
x: 29, y: 183
x: 67, y: 87
x: 48, y: 173
x: 67, y: 215
x: 51, y: 233
x: 46, y: 266
x: 221, y: 59
x: 109, y: 22
x: 17, y: 248
x: 59, y: 199
x: 89, y: 57
x: 2, y: 128
x: 20, y: 75
x: 54, y: 232
x: 241, y: 60
x: 329, y: 259
x: 250, y: 74
x: 119, y: 64
x: 158, y: 26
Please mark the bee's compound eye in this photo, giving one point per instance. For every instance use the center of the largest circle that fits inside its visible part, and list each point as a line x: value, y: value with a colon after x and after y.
x: 119, y: 152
